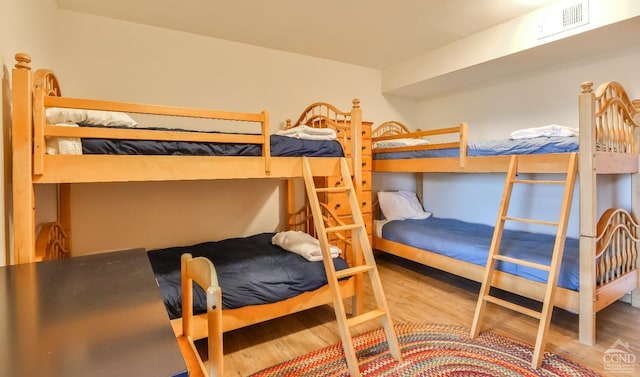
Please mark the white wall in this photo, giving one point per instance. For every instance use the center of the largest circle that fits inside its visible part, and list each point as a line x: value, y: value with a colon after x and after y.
x: 493, y: 111
x: 109, y: 59
x: 514, y: 46
x: 25, y: 26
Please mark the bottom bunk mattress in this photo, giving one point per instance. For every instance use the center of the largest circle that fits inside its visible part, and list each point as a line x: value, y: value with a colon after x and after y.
x: 251, y: 271
x: 470, y: 242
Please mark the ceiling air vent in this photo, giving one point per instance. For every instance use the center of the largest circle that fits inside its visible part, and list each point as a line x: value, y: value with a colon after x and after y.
x: 562, y: 17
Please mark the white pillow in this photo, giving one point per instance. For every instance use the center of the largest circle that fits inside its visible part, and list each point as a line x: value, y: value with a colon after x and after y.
x: 57, y: 115
x: 407, y: 142
x: 401, y: 205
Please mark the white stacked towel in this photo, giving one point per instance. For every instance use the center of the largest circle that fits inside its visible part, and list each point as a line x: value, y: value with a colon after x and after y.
x: 64, y: 145
x: 309, y: 133
x: 548, y: 131
x: 303, y: 244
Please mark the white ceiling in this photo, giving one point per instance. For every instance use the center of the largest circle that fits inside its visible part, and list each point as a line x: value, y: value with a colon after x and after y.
x: 370, y: 33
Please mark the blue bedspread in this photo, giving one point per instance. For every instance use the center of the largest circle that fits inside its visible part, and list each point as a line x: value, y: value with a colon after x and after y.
x: 471, y: 242
x: 538, y: 145
x: 251, y: 271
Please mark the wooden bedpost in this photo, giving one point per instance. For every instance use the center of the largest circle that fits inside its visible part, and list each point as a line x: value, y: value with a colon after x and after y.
x: 266, y: 147
x: 635, y: 194
x: 419, y: 177
x: 356, y: 145
x: 6, y: 133
x: 588, y: 218
x: 64, y: 214
x: 21, y: 136
x: 464, y: 141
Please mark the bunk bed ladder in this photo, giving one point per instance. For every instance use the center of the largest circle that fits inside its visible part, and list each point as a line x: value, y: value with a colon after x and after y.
x: 357, y: 228
x: 544, y: 315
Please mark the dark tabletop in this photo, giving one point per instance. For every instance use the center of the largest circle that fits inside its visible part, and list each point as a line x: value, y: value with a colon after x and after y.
x: 96, y: 315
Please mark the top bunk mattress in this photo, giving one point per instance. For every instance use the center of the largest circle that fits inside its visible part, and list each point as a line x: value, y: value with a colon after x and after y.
x: 251, y: 271
x: 281, y: 146
x: 537, y: 145
x: 470, y: 242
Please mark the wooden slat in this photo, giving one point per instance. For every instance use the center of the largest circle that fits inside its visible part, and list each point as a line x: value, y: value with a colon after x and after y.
x: 160, y: 135
x: 366, y: 317
x: 80, y: 103
x: 521, y: 262
x: 530, y: 221
x: 342, y: 228
x: 548, y: 163
x: 512, y: 306
x: 538, y: 182
x: 332, y: 189
x: 353, y: 271
x: 105, y: 168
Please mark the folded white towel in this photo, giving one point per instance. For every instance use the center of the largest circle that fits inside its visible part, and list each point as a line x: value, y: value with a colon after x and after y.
x: 548, y: 131
x: 288, y: 131
x: 309, y: 133
x: 306, y: 136
x: 303, y: 244
x: 315, y: 130
x: 64, y: 145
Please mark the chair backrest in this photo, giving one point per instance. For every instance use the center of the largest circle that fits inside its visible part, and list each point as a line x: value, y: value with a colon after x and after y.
x: 201, y: 271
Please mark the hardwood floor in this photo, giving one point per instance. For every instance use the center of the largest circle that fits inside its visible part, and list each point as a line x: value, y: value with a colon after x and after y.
x: 416, y: 293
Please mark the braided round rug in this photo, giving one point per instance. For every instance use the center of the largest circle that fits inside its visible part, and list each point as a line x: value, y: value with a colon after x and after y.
x: 430, y: 350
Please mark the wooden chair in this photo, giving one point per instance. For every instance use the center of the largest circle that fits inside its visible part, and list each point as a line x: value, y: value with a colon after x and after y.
x: 201, y: 271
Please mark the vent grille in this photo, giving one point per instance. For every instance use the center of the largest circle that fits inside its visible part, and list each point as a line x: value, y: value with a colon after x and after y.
x: 562, y: 17
x: 572, y: 15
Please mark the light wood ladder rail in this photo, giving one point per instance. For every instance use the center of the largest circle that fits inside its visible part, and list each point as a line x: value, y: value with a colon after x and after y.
x: 381, y: 312
x: 544, y: 316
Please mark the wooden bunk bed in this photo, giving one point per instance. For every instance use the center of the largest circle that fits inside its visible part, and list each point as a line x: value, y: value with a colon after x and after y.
x: 608, y: 246
x: 35, y: 92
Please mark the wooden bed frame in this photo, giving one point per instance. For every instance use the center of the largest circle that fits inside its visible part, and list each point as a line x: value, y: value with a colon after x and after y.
x: 609, y: 259
x: 34, y: 92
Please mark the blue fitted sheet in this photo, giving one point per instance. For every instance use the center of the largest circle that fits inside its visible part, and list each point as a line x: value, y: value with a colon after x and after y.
x: 470, y: 242
x: 538, y: 145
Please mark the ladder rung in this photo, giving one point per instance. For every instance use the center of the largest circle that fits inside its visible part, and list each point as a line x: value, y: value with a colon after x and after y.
x: 522, y: 262
x: 333, y: 189
x: 514, y: 307
x: 539, y: 182
x: 366, y: 317
x: 531, y: 221
x: 353, y: 271
x: 341, y: 228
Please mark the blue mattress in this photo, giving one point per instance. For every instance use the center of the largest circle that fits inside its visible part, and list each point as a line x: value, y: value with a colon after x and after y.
x: 470, y: 242
x: 251, y: 271
x: 538, y: 145
x: 281, y: 146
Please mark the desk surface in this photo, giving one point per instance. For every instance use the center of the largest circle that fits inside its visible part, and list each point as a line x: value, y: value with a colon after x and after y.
x: 96, y: 315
